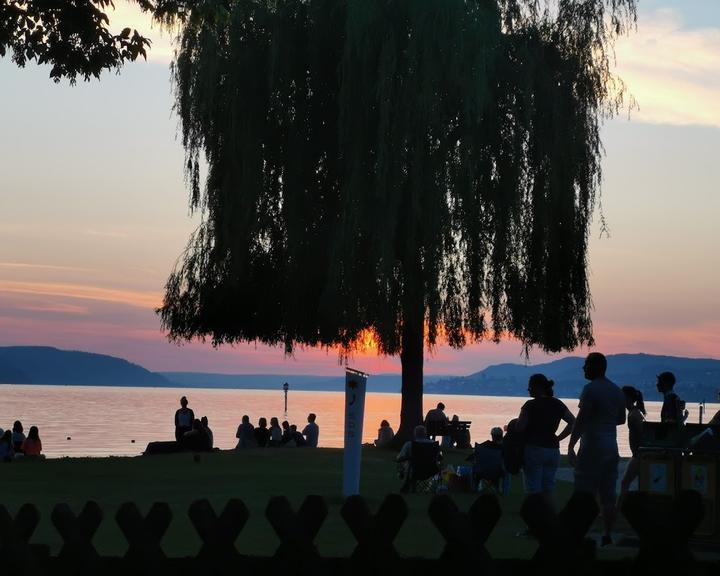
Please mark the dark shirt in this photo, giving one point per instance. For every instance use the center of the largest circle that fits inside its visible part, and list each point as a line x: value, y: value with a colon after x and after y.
x: 543, y: 418
x: 262, y: 435
x: 672, y: 409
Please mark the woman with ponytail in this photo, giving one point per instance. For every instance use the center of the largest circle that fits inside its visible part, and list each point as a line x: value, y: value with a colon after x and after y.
x: 538, y: 422
x: 635, y: 419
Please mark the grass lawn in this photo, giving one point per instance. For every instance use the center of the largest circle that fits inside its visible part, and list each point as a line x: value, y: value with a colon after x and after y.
x: 253, y: 476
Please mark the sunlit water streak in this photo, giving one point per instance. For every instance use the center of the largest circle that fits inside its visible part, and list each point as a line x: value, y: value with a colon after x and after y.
x: 104, y: 421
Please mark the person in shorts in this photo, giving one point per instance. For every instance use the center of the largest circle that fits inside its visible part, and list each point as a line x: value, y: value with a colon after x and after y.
x: 601, y: 411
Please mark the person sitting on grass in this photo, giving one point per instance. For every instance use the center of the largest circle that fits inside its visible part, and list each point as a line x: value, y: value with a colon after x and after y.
x: 196, y: 439
x: 245, y: 434
x: 298, y: 438
x: 262, y: 434
x: 287, y: 437
x: 6, y: 448
x: 207, y: 431
x: 275, y: 432
x: 32, y: 445
x: 311, y: 432
x: 385, y: 434
x: 18, y: 437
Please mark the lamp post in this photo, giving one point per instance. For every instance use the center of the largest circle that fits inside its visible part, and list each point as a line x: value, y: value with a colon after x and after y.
x: 286, y: 386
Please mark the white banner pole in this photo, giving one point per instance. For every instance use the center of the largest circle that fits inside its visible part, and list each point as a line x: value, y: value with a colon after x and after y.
x: 355, y: 385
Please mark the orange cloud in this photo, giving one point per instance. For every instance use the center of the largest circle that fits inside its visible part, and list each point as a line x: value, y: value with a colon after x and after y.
x: 127, y: 297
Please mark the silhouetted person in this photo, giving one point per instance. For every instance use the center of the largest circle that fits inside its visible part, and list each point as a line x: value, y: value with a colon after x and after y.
x: 208, y: 432
x: 538, y: 422
x: 513, y: 448
x: 297, y: 437
x: 311, y: 432
x: 184, y: 418
x: 286, y: 433
x: 18, y: 437
x: 6, y: 448
x: 673, y: 408
x: 436, y: 414
x: 262, y: 434
x: 601, y: 411
x: 385, y: 434
x: 197, y: 438
x: 32, y: 445
x: 487, y: 459
x: 275, y: 432
x: 435, y: 417
x: 635, y: 418
x: 405, y: 456
x: 245, y: 433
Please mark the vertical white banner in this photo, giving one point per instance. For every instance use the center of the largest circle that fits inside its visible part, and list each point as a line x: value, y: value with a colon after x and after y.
x: 355, y: 385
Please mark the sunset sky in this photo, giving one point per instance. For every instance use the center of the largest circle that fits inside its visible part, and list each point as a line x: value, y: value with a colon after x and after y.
x: 93, y: 210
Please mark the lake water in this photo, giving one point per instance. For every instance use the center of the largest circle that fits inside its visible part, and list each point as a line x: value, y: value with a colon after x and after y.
x: 104, y: 421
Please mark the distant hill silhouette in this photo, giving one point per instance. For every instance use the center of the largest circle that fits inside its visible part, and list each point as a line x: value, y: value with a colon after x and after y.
x: 46, y: 365
x: 697, y: 378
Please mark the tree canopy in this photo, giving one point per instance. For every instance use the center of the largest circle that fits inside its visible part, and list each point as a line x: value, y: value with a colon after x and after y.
x: 70, y: 35
x: 413, y: 168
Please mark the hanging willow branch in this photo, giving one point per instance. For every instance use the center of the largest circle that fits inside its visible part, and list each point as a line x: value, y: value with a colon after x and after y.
x: 358, y: 150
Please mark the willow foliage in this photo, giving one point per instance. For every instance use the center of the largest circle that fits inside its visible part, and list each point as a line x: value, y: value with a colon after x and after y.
x: 359, y: 151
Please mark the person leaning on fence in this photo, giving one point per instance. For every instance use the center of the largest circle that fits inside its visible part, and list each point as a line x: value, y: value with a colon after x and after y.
x: 184, y: 418
x: 409, y: 461
x: 385, y: 434
x: 538, y: 423
x: 601, y: 411
x: 635, y: 420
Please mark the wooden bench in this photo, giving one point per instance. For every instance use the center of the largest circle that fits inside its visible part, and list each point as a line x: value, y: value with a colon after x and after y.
x: 447, y: 428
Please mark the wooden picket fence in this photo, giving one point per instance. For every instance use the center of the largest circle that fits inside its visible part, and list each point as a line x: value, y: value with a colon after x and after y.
x: 562, y: 543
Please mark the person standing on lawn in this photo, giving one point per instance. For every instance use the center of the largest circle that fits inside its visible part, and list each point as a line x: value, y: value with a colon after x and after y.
x: 601, y: 411
x: 538, y: 422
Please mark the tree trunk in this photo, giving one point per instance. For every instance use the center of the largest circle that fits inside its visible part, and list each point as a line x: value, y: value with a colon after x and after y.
x: 411, y: 358
x: 411, y: 355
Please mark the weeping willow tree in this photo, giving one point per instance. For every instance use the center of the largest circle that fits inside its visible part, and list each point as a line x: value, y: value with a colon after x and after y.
x: 420, y: 170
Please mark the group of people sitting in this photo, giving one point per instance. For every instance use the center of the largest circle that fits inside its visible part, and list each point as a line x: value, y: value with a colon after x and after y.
x: 277, y: 434
x: 14, y: 443
x: 194, y: 434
